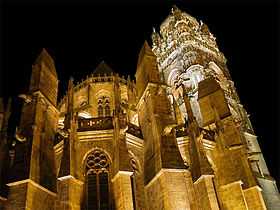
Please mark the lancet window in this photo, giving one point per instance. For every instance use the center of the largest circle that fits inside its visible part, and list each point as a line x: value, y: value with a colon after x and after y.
x: 104, y: 109
x: 97, y: 180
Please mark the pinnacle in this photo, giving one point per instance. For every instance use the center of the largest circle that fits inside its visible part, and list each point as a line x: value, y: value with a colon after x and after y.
x: 145, y: 50
x: 45, y: 57
x: 174, y: 8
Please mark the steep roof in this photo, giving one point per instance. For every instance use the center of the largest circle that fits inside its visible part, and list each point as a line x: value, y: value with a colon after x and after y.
x: 103, y: 68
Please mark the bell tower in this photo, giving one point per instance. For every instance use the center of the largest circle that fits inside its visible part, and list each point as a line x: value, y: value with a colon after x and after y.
x: 32, y: 183
x: 187, y: 53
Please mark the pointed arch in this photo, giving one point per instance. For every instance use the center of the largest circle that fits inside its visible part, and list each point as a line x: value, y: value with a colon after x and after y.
x: 96, y: 164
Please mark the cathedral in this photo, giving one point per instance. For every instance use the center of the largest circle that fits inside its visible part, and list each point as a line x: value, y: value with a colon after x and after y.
x: 175, y: 138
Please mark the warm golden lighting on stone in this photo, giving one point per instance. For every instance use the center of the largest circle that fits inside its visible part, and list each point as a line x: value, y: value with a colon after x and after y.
x: 176, y: 138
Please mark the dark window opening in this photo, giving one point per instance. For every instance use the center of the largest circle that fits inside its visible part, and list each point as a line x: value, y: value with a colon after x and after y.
x: 100, y: 111
x: 97, y: 188
x: 107, y: 111
x: 133, y: 186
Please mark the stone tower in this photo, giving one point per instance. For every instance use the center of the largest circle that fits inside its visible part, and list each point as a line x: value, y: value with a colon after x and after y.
x: 188, y: 57
x: 176, y: 138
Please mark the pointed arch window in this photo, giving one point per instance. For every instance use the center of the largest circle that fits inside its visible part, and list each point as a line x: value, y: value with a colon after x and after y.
x: 100, y: 111
x: 97, y: 179
x: 104, y: 109
x: 107, y: 111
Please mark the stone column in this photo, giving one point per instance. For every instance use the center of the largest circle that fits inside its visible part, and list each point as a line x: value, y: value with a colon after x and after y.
x: 254, y: 199
x: 69, y: 193
x: 171, y: 189
x: 123, y: 191
x: 205, y: 192
x: 28, y: 195
x: 232, y: 196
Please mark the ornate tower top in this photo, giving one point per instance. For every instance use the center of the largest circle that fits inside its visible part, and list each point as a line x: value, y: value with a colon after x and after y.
x: 178, y: 29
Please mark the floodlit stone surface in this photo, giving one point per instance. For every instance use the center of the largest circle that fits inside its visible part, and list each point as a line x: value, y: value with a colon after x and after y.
x: 176, y: 138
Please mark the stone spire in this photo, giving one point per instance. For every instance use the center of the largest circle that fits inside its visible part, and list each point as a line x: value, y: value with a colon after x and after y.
x: 44, y: 77
x: 45, y: 58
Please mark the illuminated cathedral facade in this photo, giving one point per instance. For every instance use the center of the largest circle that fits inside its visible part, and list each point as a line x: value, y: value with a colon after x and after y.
x: 176, y: 138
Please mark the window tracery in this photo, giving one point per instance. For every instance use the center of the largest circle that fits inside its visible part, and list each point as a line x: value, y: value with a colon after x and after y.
x: 97, y: 177
x: 104, y: 109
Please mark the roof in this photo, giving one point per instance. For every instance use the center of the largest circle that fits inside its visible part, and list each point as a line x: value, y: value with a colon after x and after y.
x: 103, y: 68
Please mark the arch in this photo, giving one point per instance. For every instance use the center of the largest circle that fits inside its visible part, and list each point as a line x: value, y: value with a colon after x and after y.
x: 212, y: 65
x: 103, y: 103
x: 96, y: 161
x: 173, y: 76
x: 102, y: 93
x: 97, y: 175
x: 89, y: 152
x: 195, y: 68
x: 195, y: 73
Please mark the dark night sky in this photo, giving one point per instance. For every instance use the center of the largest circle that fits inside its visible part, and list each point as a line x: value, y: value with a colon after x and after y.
x: 80, y: 35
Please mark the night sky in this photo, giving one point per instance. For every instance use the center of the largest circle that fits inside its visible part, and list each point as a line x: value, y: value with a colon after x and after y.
x: 81, y: 35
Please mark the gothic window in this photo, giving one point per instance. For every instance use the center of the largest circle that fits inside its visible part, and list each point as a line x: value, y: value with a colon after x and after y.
x: 100, y: 111
x: 104, y: 106
x: 107, y: 111
x: 97, y: 176
x: 92, y: 190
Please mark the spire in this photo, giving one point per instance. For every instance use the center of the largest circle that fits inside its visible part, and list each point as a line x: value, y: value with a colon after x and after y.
x: 44, y: 57
x: 147, y: 68
x: 175, y: 9
x: 155, y: 38
x: 146, y: 50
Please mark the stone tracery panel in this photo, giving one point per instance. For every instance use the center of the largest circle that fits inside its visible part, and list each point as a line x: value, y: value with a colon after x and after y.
x: 97, y: 180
